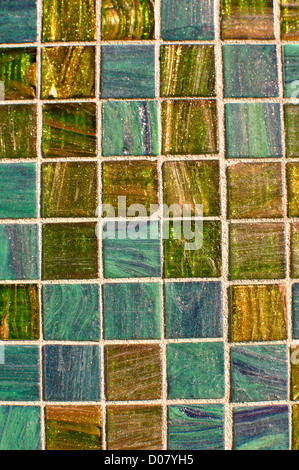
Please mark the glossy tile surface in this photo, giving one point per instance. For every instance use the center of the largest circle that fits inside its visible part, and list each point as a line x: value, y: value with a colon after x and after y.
x: 20, y: 428
x: 18, y: 191
x: 18, y: 73
x: 18, y: 21
x: 291, y: 116
x: 289, y: 20
x: 18, y: 129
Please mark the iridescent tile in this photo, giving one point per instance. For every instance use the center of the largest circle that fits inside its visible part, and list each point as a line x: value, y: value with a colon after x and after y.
x: 18, y: 21
x: 289, y: 20
x: 290, y: 63
x: 295, y: 310
x: 18, y: 73
x: 293, y: 189
x: 20, y: 428
x: 295, y: 373
x: 18, y: 131
x: 291, y: 116
x: 295, y: 250
x: 295, y: 426
x: 18, y: 191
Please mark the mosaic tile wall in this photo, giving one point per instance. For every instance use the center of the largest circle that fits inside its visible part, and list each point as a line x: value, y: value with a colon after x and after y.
x: 140, y: 344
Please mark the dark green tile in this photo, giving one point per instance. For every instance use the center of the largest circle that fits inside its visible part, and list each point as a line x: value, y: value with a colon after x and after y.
x: 18, y: 21
x: 18, y: 131
x: 295, y: 250
x: 291, y: 116
x: 18, y: 73
x: 18, y: 191
x: 290, y: 63
x: 293, y: 189
x: 289, y: 20
x: 20, y: 428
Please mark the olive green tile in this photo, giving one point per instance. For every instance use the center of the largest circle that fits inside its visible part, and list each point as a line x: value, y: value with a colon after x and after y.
x: 291, y: 116
x: 293, y: 189
x: 295, y: 373
x: 18, y: 131
x: 18, y: 73
x: 295, y: 423
x: 289, y: 20
x: 295, y: 250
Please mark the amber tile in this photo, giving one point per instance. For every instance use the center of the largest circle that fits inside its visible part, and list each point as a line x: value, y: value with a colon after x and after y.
x: 18, y: 73
x: 18, y: 131
x: 289, y: 20
x: 295, y: 422
x: 293, y: 189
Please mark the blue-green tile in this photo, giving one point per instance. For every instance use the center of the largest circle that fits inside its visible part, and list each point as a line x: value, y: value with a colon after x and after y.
x: 187, y: 19
x: 195, y: 370
x: 18, y: 21
x: 71, y: 312
x: 250, y: 71
x: 130, y: 128
x: 261, y: 428
x: 132, y: 311
x: 290, y: 62
x: 20, y: 428
x: 193, y: 310
x: 259, y: 373
x: 19, y: 373
x: 19, y: 252
x: 253, y: 130
x: 295, y: 311
x: 192, y: 427
x: 18, y: 190
x: 72, y: 373
x: 128, y: 71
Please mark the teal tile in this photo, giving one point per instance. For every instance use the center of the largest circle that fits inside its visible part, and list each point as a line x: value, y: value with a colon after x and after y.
x: 19, y: 252
x: 132, y: 311
x: 253, y: 130
x: 71, y: 312
x: 20, y: 428
x: 195, y: 370
x: 130, y: 128
x: 18, y: 21
x: 18, y: 191
x: 193, y: 427
x: 19, y: 373
x: 290, y: 62
x: 128, y: 71
x: 250, y: 71
x: 259, y: 373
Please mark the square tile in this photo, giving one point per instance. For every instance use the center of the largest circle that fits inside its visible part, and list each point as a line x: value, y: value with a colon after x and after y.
x: 69, y: 130
x: 130, y: 128
x: 187, y: 70
x: 132, y: 311
x: 133, y: 372
x: 19, y: 374
x: 71, y: 312
x: 259, y: 373
x: 20, y: 428
x: 295, y: 312
x: 295, y: 426
x: 184, y: 257
x: 195, y: 370
x: 293, y: 189
x: 19, y: 252
x: 187, y: 20
x: 254, y: 190
x: 70, y: 251
x: 289, y: 20
x: 128, y: 20
x: 70, y: 20
x: 19, y: 312
x: 257, y: 251
x: 189, y: 127
x: 18, y: 21
x: 72, y: 373
x: 69, y: 189
x: 18, y: 72
x: 291, y: 116
x: 258, y: 313
x: 78, y: 82
x: 193, y: 310
x: 193, y: 427
x: 18, y: 190
x: 250, y: 71
x: 192, y: 182
x: 253, y: 130
x: 261, y: 428
x: 295, y: 250
x: 290, y: 63
x: 18, y: 131
x: 132, y: 427
x: 295, y: 373
x: 73, y: 428
x: 128, y: 71
x: 247, y: 20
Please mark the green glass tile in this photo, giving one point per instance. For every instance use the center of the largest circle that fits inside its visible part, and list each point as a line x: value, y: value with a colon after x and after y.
x: 69, y: 20
x: 18, y: 21
x: 295, y: 250
x: 195, y: 371
x: 247, y: 19
x: 18, y: 73
x: 19, y: 378
x: 73, y: 428
x: 295, y: 373
x: 187, y: 70
x: 202, y: 262
x: 68, y: 72
x: 255, y: 190
x: 134, y: 427
x: 70, y: 251
x: 259, y: 373
x: 132, y: 311
x: 18, y: 191
x: 295, y: 422
x: 250, y: 71
x: 253, y: 130
x: 18, y: 130
x: 258, y: 313
x: 20, y: 428
x: 193, y: 427
x: 293, y: 189
x: 257, y: 251
x: 189, y: 127
x: 69, y: 189
x: 71, y: 312
x: 128, y: 71
x: 128, y: 19
x: 289, y: 20
x: 291, y: 116
x: 130, y: 128
x: 19, y: 252
x: 19, y: 312
x: 133, y: 372
x: 290, y: 62
x: 69, y: 130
